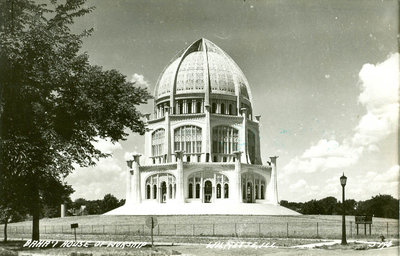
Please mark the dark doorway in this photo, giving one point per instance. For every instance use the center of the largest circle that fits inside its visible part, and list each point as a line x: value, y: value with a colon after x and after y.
x: 207, y: 191
x: 163, y: 192
x: 249, y: 192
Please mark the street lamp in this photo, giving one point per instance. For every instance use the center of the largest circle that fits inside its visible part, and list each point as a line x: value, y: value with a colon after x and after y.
x: 343, y: 181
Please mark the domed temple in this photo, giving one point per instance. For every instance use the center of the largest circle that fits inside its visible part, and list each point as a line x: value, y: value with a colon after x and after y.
x: 202, y: 146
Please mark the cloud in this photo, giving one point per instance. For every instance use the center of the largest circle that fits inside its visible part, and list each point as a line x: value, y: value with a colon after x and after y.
x: 325, y: 155
x: 377, y: 182
x: 139, y: 80
x: 106, y: 146
x: 379, y: 86
x: 380, y: 96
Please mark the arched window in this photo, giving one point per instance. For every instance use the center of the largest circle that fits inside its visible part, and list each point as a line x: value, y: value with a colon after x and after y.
x: 154, y: 191
x: 188, y: 139
x: 262, y: 191
x: 148, y: 193
x: 198, y: 107
x: 225, y: 140
x: 226, y: 190
x: 214, y: 108
x: 244, y: 191
x: 223, y: 108
x: 157, y: 142
x: 230, y: 109
x: 197, y: 190
x: 170, y: 191
x: 189, y: 107
x: 190, y: 190
x: 218, y: 190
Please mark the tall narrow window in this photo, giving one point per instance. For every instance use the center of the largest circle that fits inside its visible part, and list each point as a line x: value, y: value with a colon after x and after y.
x: 226, y: 190
x: 154, y: 191
x: 230, y: 109
x: 198, y: 107
x: 223, y: 108
x: 148, y: 193
x: 197, y: 190
x: 189, y: 107
x: 218, y: 190
x: 257, y: 192
x: 251, y: 140
x: 190, y: 190
x: 214, y: 108
x: 262, y: 192
x: 170, y: 191
x: 157, y: 142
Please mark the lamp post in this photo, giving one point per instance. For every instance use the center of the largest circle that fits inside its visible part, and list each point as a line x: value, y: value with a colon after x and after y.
x: 343, y: 181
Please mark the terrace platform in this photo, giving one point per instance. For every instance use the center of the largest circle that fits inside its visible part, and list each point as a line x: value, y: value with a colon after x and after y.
x: 152, y: 208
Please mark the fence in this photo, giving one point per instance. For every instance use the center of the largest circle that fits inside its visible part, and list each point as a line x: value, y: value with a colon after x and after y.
x: 328, y: 229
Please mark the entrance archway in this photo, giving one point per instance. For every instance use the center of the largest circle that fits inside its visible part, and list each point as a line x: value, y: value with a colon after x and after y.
x: 163, y: 192
x: 249, y: 193
x: 207, y: 191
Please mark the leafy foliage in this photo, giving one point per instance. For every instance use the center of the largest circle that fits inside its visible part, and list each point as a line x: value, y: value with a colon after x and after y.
x: 53, y: 103
x: 384, y: 206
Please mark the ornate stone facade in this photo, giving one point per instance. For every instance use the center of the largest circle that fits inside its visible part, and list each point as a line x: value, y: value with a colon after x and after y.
x: 203, y: 141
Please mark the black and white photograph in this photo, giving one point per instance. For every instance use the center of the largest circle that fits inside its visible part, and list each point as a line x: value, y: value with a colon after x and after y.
x: 199, y: 127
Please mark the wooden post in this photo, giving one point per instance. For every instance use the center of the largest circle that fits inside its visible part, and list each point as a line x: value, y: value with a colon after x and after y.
x: 351, y: 228
x: 175, y: 229
x: 287, y: 229
x: 365, y: 229
x: 259, y: 229
x: 235, y: 230
x: 213, y: 229
x: 387, y: 229
x: 317, y: 230
x: 158, y: 229
x: 192, y: 229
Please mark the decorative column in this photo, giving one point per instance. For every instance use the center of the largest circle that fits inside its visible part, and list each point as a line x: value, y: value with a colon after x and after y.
x: 214, y: 189
x: 243, y: 137
x: 136, y: 188
x: 201, y: 188
x: 236, y: 184
x: 180, y: 198
x: 167, y: 139
x: 272, y: 188
x: 128, y: 182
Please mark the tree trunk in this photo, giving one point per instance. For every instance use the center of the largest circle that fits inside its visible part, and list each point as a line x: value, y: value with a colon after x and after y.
x: 35, y: 211
x: 5, y: 230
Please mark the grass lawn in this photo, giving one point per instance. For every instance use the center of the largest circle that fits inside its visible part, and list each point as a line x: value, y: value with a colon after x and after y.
x: 126, y: 227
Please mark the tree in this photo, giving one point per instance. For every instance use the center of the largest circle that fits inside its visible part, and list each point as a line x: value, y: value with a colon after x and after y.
x: 110, y: 202
x: 53, y: 103
x: 384, y: 206
x: 329, y: 205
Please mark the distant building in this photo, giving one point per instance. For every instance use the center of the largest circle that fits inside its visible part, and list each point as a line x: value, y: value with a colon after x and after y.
x: 203, y: 140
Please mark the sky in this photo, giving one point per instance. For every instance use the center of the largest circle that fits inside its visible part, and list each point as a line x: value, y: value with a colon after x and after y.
x: 324, y: 77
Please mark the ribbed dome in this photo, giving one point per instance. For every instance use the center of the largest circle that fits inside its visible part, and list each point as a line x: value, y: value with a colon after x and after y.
x: 201, y: 64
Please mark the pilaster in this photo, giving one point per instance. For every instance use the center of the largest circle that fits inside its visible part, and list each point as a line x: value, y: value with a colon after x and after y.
x: 237, y: 195
x: 272, y: 188
x: 180, y: 196
x: 136, y: 188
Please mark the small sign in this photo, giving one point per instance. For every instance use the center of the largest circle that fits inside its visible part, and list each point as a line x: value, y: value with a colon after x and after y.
x: 363, y: 219
x: 151, y: 222
x: 74, y: 225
